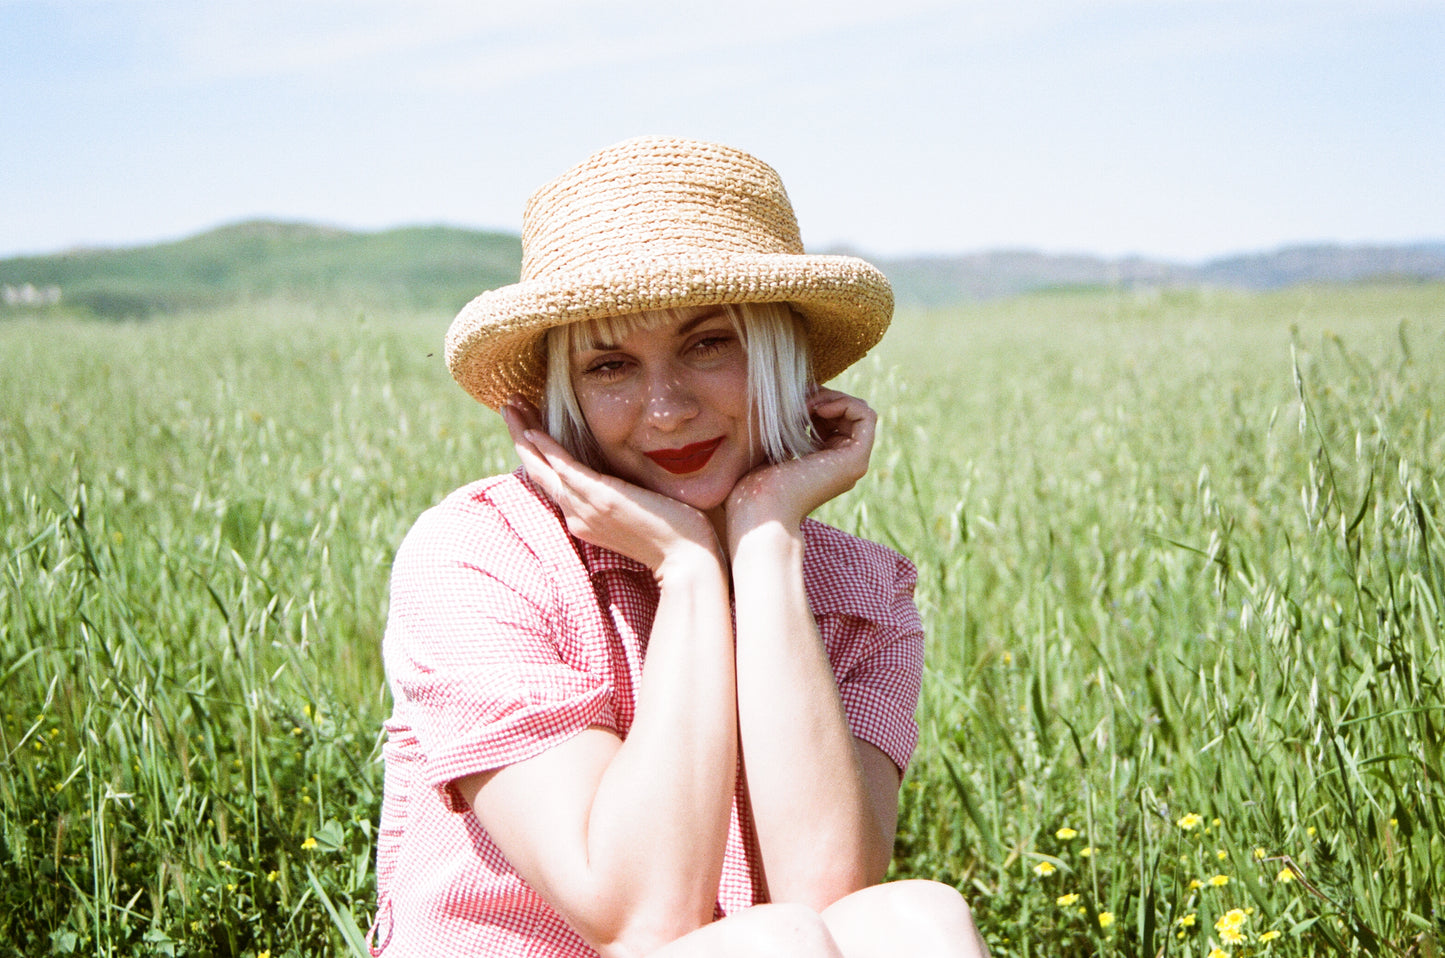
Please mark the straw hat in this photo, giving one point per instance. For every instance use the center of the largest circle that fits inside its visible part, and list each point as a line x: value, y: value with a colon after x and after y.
x: 656, y: 223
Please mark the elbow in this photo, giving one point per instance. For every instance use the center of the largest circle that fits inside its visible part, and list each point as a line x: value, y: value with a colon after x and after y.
x: 638, y: 942
x: 828, y: 884
x: 832, y: 877
x: 639, y: 935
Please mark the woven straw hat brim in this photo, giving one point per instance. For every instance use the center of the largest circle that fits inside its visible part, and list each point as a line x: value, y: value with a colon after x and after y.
x: 495, y: 348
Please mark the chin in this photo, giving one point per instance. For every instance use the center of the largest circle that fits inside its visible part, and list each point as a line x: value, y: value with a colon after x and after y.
x: 703, y: 499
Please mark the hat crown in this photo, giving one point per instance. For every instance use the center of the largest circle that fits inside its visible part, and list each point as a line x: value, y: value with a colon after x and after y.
x: 657, y: 196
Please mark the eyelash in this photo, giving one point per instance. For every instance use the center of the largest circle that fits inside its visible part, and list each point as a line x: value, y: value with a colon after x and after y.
x: 709, y: 344
x: 605, y: 370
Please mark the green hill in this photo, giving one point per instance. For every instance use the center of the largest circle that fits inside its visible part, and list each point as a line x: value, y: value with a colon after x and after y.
x: 425, y: 267
x: 438, y: 268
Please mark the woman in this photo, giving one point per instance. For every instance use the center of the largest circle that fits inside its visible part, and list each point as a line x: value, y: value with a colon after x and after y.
x: 643, y: 705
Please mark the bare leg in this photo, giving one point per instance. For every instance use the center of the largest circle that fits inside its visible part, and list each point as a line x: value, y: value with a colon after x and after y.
x: 921, y: 919
x: 763, y: 931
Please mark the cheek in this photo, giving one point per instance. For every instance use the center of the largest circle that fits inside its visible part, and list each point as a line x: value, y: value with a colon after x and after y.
x: 609, y: 416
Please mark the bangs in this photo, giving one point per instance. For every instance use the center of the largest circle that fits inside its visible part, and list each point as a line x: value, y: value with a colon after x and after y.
x: 611, y: 330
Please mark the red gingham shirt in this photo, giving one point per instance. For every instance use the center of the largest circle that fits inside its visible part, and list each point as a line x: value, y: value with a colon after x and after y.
x: 507, y: 636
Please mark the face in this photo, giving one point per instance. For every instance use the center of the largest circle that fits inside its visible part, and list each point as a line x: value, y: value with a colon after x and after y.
x: 668, y: 406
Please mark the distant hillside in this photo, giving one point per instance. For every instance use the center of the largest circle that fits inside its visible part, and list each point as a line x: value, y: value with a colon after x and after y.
x: 425, y: 266
x: 938, y: 281
x: 440, y: 268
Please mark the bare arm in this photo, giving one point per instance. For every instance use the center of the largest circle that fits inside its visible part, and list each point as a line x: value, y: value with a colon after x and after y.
x: 825, y: 803
x: 625, y: 838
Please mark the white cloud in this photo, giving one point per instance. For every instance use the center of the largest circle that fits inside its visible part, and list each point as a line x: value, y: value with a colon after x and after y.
x: 480, y: 45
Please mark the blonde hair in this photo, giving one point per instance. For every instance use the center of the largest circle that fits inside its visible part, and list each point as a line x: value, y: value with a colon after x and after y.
x: 779, y: 376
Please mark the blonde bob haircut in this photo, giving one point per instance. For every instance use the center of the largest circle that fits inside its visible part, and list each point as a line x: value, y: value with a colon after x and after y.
x: 779, y: 377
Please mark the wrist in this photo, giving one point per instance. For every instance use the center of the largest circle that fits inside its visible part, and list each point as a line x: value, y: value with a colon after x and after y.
x: 747, y: 543
x: 689, y: 560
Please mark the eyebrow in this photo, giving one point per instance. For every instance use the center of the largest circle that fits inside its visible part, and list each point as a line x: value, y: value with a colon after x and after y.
x: 697, y: 321
x: 687, y: 327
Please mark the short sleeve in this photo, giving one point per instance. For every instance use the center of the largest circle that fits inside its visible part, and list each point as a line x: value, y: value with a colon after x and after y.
x: 861, y: 594
x: 473, y: 648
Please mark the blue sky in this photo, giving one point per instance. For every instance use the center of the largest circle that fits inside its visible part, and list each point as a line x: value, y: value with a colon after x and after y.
x: 1175, y: 128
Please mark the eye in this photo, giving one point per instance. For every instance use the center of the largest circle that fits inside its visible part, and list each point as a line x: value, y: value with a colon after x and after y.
x: 709, y: 343
x: 605, y: 368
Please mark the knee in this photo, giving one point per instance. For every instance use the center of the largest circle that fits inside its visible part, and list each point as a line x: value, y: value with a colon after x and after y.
x: 789, y: 931
x: 931, y: 918
x: 944, y: 902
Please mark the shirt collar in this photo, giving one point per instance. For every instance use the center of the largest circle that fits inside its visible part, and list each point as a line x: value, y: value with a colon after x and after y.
x: 598, y: 559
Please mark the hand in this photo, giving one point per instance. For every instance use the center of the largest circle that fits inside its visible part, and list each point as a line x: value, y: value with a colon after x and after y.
x: 601, y: 509
x: 786, y: 492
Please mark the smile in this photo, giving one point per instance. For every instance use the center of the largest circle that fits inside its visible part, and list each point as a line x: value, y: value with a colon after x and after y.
x: 688, y: 458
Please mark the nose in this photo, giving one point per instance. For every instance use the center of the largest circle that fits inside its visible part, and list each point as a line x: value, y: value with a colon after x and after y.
x: 670, y: 400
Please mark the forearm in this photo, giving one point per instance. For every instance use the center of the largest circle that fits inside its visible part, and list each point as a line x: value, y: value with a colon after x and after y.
x: 819, y: 833
x: 658, y: 823
x: 625, y: 837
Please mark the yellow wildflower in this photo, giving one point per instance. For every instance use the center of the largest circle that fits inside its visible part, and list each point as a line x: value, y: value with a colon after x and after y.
x: 1086, y: 851
x: 264, y: 954
x: 1232, y: 920
x: 1064, y: 901
x: 1190, y: 822
x: 1259, y: 854
x: 1310, y: 831
x: 1065, y: 833
x: 1187, y: 921
x: 1106, y: 918
x: 309, y: 844
x: 272, y: 875
x: 1231, y: 937
x: 1044, y: 869
x: 1221, y: 854
x: 1218, y: 953
x: 1195, y: 884
x: 1219, y: 881
x: 1269, y: 936
x: 1285, y: 875
x: 1218, y: 822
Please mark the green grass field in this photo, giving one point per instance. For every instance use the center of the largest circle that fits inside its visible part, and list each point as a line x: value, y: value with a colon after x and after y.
x: 1180, y: 560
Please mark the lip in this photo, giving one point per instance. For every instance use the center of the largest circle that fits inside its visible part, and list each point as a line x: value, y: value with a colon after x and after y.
x: 689, y: 458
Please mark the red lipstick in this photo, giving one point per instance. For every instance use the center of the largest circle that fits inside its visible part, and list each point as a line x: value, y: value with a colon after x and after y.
x: 689, y: 458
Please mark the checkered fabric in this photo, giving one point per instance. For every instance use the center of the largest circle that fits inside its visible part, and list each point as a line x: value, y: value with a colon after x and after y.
x: 506, y: 636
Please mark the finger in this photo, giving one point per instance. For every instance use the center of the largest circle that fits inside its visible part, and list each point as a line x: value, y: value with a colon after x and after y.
x: 576, y: 477
x: 530, y: 415
x: 824, y: 393
x: 535, y: 464
x: 840, y: 413
x: 842, y: 417
x: 821, y: 396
